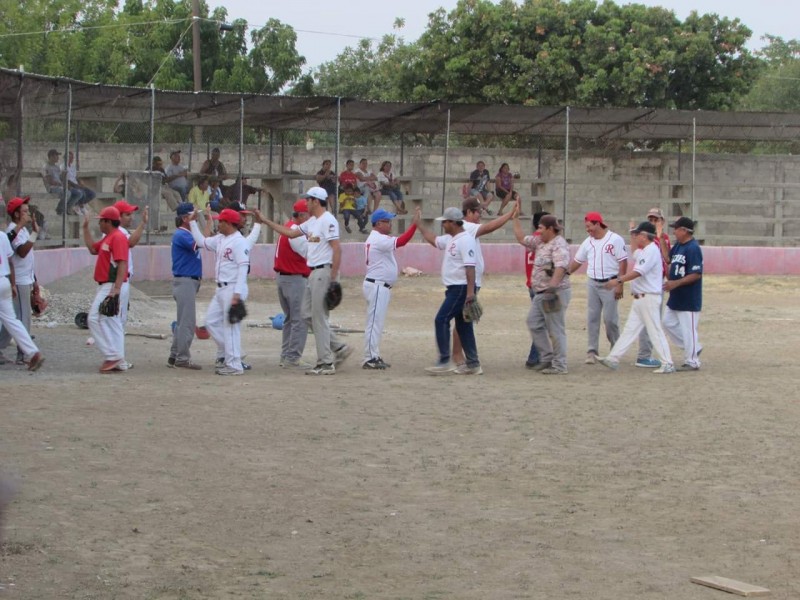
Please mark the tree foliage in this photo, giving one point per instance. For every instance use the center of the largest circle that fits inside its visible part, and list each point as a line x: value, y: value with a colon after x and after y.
x: 147, y: 41
x: 778, y: 86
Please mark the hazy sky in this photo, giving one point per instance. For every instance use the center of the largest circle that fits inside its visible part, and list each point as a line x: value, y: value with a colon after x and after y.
x: 322, y: 27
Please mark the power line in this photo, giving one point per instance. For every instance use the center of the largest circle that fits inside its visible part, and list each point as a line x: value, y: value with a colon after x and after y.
x: 75, y: 28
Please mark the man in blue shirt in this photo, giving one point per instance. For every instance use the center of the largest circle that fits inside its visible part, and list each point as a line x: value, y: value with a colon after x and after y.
x: 685, y: 286
x: 187, y: 270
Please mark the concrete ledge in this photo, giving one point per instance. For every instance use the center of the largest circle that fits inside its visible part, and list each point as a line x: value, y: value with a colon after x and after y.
x: 154, y: 263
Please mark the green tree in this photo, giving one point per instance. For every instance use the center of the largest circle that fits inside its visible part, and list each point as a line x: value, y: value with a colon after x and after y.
x: 778, y: 86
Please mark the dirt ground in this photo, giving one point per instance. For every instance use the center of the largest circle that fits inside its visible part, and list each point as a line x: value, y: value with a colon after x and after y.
x: 167, y: 484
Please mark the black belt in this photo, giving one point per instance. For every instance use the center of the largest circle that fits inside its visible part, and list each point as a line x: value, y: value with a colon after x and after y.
x: 320, y: 266
x: 606, y: 280
x: 187, y: 277
x: 291, y: 274
x: 224, y: 283
x: 386, y: 285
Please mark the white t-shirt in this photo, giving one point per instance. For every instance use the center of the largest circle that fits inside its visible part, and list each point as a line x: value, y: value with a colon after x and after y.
x: 602, y: 257
x: 379, y: 250
x: 130, y: 251
x: 232, y: 257
x: 648, y: 263
x: 298, y: 244
x: 472, y: 229
x: 365, y: 186
x: 23, y: 267
x: 459, y: 252
x: 5, y: 256
x: 320, y: 231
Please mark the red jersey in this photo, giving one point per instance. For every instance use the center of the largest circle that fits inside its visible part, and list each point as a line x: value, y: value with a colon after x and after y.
x: 112, y: 249
x: 348, y: 177
x: 287, y: 261
x: 530, y: 255
x: 664, y: 263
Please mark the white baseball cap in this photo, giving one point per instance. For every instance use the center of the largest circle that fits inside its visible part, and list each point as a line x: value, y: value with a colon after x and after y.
x: 317, y: 193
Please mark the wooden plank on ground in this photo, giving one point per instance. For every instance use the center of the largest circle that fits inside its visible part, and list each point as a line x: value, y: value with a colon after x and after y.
x: 730, y: 585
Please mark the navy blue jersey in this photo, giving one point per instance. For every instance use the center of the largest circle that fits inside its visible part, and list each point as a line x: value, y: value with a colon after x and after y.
x: 686, y: 259
x: 186, y: 260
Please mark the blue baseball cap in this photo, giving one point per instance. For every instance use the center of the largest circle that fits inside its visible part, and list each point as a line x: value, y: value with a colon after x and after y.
x: 184, y: 208
x: 382, y: 215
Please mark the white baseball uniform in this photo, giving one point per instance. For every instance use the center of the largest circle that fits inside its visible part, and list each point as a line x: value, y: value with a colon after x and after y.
x: 230, y: 272
x: 125, y: 290
x: 472, y: 229
x: 381, y: 275
x: 8, y: 318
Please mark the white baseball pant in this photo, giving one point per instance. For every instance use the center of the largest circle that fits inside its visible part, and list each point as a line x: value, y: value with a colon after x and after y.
x: 124, y: 299
x: 227, y: 337
x: 9, y: 320
x: 377, y: 295
x: 681, y: 327
x: 645, y: 313
x: 109, y: 336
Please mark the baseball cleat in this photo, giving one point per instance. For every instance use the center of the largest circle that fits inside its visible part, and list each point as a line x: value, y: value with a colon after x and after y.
x: 35, y: 362
x: 607, y: 362
x: 664, y: 369
x: 247, y: 366
x: 228, y: 371
x: 171, y: 362
x: 322, y: 370
x: 648, y: 363
x: 384, y: 363
x: 591, y: 358
x: 441, y: 369
x: 342, y: 353
x: 686, y: 367
x: 374, y: 364
x: 219, y: 361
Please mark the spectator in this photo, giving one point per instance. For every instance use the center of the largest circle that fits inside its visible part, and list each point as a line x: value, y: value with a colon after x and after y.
x: 326, y: 179
x: 213, y: 167
x: 54, y: 180
x: 232, y: 197
x: 368, y: 184
x: 119, y: 184
x: 348, y: 204
x: 214, y: 194
x: 170, y: 196
x: 348, y: 175
x: 176, y: 175
x: 391, y: 187
x: 479, y: 182
x: 199, y: 194
x: 504, y: 187
x: 75, y: 183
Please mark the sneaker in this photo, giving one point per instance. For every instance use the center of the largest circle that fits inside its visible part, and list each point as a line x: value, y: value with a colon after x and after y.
x: 296, y: 365
x: 323, y: 369
x: 374, y: 364
x: 384, y: 363
x: 347, y: 229
x: 591, y: 358
x: 219, y: 362
x: 685, y: 367
x: 665, y: 368
x: 35, y: 362
x: 607, y: 362
x: 541, y: 366
x: 125, y: 366
x: 553, y: 371
x: 648, y: 363
x: 342, y: 353
x: 465, y: 370
x: 441, y: 369
x: 228, y: 371
x: 187, y: 365
x: 171, y: 362
x: 246, y: 366
x: 531, y: 365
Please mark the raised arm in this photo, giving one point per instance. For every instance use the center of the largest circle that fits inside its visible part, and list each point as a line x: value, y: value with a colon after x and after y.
x: 136, y: 234
x: 87, y: 236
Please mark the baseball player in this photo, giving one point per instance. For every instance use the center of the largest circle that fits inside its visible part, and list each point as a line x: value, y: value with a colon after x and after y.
x: 293, y: 272
x: 606, y: 259
x: 646, y: 277
x: 110, y: 272
x: 187, y: 272
x: 530, y: 256
x: 381, y: 275
x: 685, y: 286
x: 458, y: 276
x: 230, y: 271
x: 471, y: 209
x: 126, y: 211
x: 323, y: 259
x: 22, y: 260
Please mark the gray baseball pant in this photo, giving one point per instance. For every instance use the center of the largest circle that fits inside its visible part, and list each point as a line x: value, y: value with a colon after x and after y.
x: 600, y: 303
x: 316, y: 315
x: 22, y: 309
x: 291, y: 291
x: 548, y: 330
x: 184, y: 290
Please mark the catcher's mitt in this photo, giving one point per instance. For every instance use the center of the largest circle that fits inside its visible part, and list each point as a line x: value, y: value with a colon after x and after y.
x: 237, y: 312
x: 109, y: 307
x: 472, y: 311
x: 38, y: 304
x: 333, y: 297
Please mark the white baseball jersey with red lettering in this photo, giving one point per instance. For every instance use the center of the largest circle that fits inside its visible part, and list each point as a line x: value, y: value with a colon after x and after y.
x: 602, y: 257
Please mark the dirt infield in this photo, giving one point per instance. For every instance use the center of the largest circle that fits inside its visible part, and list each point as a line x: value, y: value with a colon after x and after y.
x: 166, y: 484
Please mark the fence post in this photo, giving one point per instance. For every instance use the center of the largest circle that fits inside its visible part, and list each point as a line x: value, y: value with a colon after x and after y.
x: 566, y: 176
x: 65, y: 183
x: 446, y: 150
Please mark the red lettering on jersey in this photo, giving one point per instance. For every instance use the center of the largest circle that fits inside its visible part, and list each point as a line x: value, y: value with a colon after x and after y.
x: 228, y: 253
x: 609, y: 249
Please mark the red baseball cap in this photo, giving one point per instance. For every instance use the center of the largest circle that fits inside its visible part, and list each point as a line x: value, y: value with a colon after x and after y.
x: 596, y: 217
x: 110, y: 213
x: 123, y: 207
x: 229, y: 215
x: 15, y: 203
x: 300, y: 206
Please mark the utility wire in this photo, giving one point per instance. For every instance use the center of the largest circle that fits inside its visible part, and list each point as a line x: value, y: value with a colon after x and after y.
x: 77, y: 27
x: 166, y: 58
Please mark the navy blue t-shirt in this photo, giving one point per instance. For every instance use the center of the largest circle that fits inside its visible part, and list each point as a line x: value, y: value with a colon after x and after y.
x: 186, y: 260
x: 686, y: 259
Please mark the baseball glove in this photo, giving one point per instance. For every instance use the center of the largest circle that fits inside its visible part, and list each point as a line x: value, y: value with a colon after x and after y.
x: 38, y: 304
x: 333, y: 296
x: 472, y: 311
x: 237, y: 312
x: 109, y: 307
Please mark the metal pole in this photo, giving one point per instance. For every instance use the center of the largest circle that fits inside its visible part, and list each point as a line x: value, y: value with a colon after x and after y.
x: 271, y: 146
x: 65, y: 184
x: 150, y: 146
x: 241, y: 145
x: 20, y: 134
x: 539, y: 160
x: 446, y: 149
x: 402, y: 152
x: 694, y: 158
x: 680, y: 157
x: 566, y: 174
x: 337, y: 148
x: 196, y: 45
